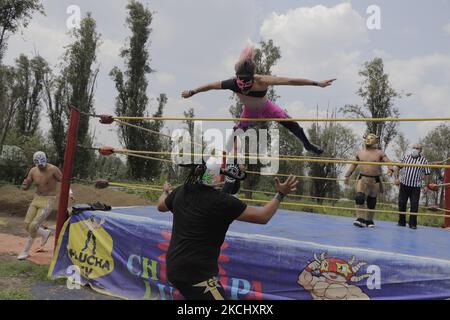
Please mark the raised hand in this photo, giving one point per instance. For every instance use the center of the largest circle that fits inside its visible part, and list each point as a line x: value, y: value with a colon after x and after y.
x: 326, y: 83
x: 288, y: 186
x: 187, y: 93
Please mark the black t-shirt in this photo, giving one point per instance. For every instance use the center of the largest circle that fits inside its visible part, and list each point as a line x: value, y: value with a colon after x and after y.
x: 231, y: 84
x: 201, y: 217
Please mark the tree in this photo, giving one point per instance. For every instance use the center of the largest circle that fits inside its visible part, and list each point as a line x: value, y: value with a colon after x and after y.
x: 437, y: 149
x: 57, y: 99
x: 75, y: 86
x: 290, y: 145
x: 30, y: 75
x: 338, y: 142
x: 189, y: 114
x: 13, y: 15
x: 110, y: 168
x: 9, y: 100
x: 81, y: 78
x: 401, y: 146
x: 265, y: 58
x: 131, y: 85
x: 378, y: 101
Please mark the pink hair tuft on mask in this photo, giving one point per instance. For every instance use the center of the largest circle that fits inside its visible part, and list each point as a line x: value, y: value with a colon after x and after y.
x: 248, y: 53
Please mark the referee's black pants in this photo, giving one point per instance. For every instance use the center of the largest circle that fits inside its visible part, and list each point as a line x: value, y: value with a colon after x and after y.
x: 413, y: 194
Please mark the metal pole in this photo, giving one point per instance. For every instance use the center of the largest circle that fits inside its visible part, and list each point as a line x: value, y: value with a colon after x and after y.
x: 67, y: 170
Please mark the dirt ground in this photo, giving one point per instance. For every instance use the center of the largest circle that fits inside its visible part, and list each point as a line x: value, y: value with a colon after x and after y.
x: 15, y: 202
x: 27, y: 279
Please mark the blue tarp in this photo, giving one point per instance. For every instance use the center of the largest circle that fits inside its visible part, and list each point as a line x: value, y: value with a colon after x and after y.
x: 296, y: 256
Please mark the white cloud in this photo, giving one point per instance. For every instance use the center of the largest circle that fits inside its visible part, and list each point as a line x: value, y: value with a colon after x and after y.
x: 436, y: 98
x: 317, y: 40
x: 423, y: 128
x: 108, y: 53
x: 410, y: 73
x: 46, y: 41
x: 298, y: 109
x: 319, y: 43
x: 427, y: 78
x: 446, y: 28
x: 165, y: 78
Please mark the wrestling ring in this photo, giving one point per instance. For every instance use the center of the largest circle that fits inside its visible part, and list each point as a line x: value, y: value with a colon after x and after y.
x: 122, y: 254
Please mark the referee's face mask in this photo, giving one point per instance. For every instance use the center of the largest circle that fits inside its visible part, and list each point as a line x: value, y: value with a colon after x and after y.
x: 416, y: 150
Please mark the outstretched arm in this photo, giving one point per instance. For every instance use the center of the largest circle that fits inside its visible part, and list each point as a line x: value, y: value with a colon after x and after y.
x: 210, y: 86
x: 162, y: 207
x: 262, y: 215
x: 278, y: 81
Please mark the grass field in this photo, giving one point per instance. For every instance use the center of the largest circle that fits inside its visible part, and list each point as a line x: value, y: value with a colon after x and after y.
x: 17, y: 277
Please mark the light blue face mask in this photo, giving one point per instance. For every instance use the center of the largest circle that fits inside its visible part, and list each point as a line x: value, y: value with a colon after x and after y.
x: 40, y: 159
x: 415, y: 153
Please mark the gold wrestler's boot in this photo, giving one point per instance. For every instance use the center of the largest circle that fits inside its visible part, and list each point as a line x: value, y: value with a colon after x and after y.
x: 44, y: 234
x: 26, y: 250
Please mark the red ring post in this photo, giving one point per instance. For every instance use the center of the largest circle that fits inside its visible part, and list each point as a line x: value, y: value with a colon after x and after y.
x: 69, y: 155
x: 447, y: 198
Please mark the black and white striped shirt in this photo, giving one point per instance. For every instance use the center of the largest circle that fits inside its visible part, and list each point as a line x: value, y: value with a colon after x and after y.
x: 413, y: 176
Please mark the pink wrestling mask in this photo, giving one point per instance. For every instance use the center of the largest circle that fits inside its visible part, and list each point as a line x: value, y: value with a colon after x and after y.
x: 244, y: 82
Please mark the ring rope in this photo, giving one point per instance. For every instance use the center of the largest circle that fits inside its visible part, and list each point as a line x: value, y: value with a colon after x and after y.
x: 283, y: 119
x: 142, y: 128
x: 147, y: 157
x: 295, y: 159
x: 309, y: 177
x: 258, y: 173
x: 158, y: 188
x: 165, y: 135
x: 254, y: 172
x: 124, y: 185
x: 199, y: 144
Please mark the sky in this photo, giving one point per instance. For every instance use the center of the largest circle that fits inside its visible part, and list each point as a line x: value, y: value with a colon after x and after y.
x: 194, y: 42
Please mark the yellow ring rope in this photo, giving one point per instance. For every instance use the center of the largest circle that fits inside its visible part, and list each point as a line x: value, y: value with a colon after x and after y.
x: 124, y: 185
x: 158, y: 188
x: 284, y: 119
x: 436, y: 166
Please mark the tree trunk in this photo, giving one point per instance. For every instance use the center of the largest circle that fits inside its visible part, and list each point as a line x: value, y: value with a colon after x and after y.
x: 6, y: 127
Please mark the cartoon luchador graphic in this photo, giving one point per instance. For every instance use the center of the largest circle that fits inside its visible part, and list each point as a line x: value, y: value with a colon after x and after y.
x: 328, y: 279
x: 91, y: 224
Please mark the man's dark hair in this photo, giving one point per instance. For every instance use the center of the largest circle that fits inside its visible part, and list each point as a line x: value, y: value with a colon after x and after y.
x: 196, y: 174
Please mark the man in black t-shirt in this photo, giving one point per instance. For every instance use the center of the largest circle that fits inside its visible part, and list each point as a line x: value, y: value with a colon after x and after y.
x: 202, y: 215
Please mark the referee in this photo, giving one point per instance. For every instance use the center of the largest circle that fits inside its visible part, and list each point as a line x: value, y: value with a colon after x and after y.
x: 410, y: 184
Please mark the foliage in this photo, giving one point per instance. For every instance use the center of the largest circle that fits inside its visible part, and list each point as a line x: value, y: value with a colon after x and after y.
x: 401, y: 146
x: 75, y: 86
x: 9, y: 100
x: 132, y: 99
x: 30, y: 78
x: 337, y: 141
x: 437, y: 149
x: 378, y: 101
x: 13, y: 15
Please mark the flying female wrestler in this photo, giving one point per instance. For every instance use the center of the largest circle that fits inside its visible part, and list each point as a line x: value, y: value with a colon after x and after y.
x: 252, y: 89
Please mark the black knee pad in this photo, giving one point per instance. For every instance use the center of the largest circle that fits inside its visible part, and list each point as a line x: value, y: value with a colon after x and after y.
x: 371, y: 202
x: 360, y: 197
